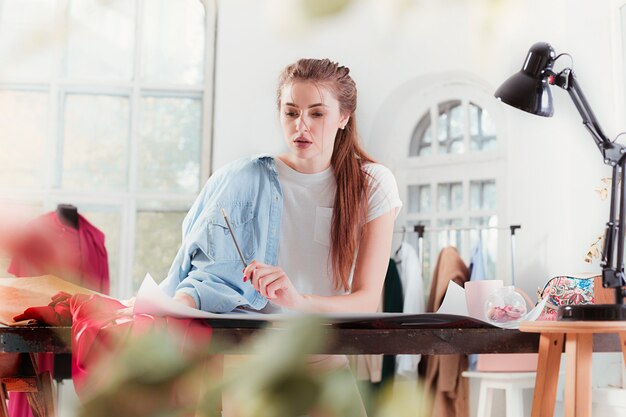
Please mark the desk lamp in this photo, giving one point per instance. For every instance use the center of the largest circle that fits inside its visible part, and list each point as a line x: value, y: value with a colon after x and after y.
x: 529, y: 90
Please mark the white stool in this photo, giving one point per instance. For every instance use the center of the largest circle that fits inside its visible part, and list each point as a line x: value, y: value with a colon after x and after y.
x: 513, y: 384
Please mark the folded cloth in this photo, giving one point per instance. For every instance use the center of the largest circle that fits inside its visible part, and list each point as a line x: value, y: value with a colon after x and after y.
x: 57, y: 313
x: 99, y: 329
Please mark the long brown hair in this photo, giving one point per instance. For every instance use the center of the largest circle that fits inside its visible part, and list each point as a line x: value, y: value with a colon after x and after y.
x: 350, y: 209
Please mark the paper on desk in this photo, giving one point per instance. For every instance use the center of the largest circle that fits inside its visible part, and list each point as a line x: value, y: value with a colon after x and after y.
x: 151, y: 299
x: 454, y: 301
x: 534, y: 314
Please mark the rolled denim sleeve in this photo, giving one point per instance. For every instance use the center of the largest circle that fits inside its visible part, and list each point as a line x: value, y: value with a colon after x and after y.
x: 209, y: 290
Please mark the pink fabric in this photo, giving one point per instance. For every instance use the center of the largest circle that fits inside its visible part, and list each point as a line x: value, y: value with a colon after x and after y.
x: 57, y: 313
x: 96, y: 265
x: 47, y: 246
x: 98, y: 330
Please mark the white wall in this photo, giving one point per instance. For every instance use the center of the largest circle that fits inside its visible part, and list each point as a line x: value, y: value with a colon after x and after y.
x: 553, y: 164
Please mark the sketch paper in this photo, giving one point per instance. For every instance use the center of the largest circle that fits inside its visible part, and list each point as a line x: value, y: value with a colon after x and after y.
x: 151, y: 299
x: 454, y: 301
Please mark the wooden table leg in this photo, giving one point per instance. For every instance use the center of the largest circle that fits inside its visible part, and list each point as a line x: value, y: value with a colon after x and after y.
x: 43, y: 401
x: 3, y: 402
x: 578, y: 349
x: 544, y: 397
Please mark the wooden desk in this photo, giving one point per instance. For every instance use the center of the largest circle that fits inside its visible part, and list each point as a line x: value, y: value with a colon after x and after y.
x: 346, y: 340
x: 579, y: 339
x: 354, y: 338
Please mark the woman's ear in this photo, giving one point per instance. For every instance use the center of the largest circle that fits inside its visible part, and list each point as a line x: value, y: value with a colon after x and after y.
x: 344, y: 121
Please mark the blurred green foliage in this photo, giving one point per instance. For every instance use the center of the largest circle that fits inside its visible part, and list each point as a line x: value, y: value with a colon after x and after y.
x: 150, y: 376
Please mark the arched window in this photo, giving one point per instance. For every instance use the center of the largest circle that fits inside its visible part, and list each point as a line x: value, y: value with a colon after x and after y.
x: 107, y: 106
x: 454, y: 121
x: 453, y: 173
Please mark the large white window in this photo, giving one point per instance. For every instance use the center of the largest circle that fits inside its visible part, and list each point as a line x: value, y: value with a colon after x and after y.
x: 452, y: 175
x: 107, y: 106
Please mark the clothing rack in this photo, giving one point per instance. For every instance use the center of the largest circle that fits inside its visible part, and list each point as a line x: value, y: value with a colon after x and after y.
x: 420, y: 229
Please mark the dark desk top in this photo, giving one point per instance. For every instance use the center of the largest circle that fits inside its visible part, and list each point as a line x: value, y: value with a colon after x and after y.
x: 347, y: 338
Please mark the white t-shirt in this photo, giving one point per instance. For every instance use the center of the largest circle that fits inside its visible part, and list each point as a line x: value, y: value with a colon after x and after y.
x: 308, y: 201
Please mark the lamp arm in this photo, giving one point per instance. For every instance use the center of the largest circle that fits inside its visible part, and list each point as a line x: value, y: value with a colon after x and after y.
x: 615, y: 155
x: 567, y: 80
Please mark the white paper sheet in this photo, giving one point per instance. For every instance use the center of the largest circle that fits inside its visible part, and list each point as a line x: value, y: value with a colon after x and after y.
x: 152, y: 300
x: 454, y: 301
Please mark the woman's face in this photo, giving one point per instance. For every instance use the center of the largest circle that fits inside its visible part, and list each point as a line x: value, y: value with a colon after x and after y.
x: 310, y: 118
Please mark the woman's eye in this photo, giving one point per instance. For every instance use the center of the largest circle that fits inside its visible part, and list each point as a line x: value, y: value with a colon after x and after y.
x: 317, y: 114
x: 291, y: 114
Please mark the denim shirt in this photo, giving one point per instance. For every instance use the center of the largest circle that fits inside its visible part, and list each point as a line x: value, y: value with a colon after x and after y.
x: 207, y: 266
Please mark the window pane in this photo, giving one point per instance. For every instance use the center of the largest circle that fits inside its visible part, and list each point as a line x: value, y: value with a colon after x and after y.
x: 489, y: 195
x: 424, y: 195
x: 443, y: 197
x: 456, y: 122
x: 24, y: 124
x: 482, y: 129
x: 449, y: 237
x: 27, y: 35
x: 95, y: 142
x: 449, y: 196
x: 169, y: 156
x: 421, y: 142
x: 483, y: 195
x: 450, y: 127
x: 457, y: 195
x: 100, y: 39
x: 426, y: 142
x: 475, y: 195
x: 173, y: 41
x: 419, y: 198
x: 108, y: 220
x: 157, y: 239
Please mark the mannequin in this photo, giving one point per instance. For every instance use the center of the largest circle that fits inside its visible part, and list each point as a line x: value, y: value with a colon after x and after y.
x: 68, y: 215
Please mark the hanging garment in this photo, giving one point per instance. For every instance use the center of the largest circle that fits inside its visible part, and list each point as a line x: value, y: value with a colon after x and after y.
x: 49, y: 247
x: 477, y: 263
x: 443, y: 381
x: 393, y: 302
x: 410, y: 270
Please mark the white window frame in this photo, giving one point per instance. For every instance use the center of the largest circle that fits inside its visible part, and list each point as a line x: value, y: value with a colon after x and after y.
x: 129, y: 202
x: 441, y: 168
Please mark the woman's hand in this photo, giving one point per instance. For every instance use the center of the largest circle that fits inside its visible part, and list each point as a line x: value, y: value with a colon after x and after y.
x: 185, y: 299
x: 274, y: 284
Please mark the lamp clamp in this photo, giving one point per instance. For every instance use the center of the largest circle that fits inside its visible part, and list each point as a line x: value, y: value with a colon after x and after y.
x: 561, y: 79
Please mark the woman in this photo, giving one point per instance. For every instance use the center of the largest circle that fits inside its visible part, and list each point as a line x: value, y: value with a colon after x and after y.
x: 315, y: 223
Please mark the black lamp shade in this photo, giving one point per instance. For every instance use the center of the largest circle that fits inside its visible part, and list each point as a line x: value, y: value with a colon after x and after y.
x: 529, y: 90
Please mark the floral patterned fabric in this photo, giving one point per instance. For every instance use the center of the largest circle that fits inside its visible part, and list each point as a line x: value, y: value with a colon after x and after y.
x: 565, y: 290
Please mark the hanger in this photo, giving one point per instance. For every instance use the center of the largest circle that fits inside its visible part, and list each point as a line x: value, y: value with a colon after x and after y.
x: 68, y: 215
x: 403, y: 240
